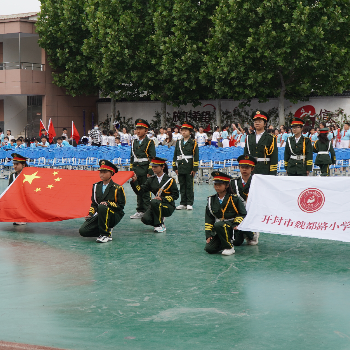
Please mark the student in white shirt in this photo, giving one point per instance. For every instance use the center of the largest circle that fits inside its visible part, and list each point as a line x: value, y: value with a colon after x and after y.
x: 104, y: 138
x: 111, y: 138
x: 216, y: 137
x: 125, y: 138
x: 176, y: 134
x: 43, y: 142
x: 201, y: 137
x: 161, y: 136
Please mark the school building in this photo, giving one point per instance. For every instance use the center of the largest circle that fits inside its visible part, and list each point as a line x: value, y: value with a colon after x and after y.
x: 27, y: 93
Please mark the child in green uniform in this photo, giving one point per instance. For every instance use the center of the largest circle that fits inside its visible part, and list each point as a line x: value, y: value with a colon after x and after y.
x: 298, y: 151
x: 142, y: 150
x: 240, y: 186
x: 164, y: 188
x: 323, y: 147
x: 107, y: 204
x: 185, y: 164
x: 19, y: 163
x: 262, y: 146
x: 224, y: 212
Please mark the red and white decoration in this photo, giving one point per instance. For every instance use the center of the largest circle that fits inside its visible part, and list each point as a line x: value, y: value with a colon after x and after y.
x: 315, y: 207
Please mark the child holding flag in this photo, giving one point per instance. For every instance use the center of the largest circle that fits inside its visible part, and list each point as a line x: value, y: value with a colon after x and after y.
x: 107, y: 205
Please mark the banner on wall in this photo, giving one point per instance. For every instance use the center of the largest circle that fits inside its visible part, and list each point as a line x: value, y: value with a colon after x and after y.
x: 315, y: 207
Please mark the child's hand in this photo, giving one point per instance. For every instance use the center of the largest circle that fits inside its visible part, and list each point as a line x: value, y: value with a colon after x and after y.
x: 134, y: 177
x: 209, y: 239
x: 87, y: 217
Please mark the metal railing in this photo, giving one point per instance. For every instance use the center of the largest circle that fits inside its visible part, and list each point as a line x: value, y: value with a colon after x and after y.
x: 22, y: 65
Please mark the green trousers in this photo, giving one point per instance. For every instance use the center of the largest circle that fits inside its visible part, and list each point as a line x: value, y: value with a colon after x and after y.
x: 156, y: 211
x: 186, y: 189
x: 102, y: 223
x: 238, y: 236
x: 144, y: 198
x: 324, y: 169
x: 222, y: 239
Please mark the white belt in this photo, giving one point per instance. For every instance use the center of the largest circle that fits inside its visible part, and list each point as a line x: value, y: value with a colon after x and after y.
x: 184, y: 157
x: 262, y: 159
x: 217, y: 220
x: 298, y: 157
x: 140, y: 160
x: 323, y: 152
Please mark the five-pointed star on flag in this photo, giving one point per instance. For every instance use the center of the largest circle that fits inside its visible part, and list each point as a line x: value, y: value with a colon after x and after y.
x: 58, y: 179
x: 49, y: 186
x: 31, y: 177
x: 55, y: 173
x: 37, y: 190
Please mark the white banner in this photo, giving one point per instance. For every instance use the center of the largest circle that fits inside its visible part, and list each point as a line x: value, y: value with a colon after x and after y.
x: 315, y: 207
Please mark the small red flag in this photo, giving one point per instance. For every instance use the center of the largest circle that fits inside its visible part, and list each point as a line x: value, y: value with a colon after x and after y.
x: 41, y: 194
x: 51, y: 132
x: 208, y: 128
x: 42, y: 126
x: 75, y: 134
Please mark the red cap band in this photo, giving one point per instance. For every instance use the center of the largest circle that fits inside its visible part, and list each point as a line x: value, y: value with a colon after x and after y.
x: 142, y: 125
x: 260, y: 116
x: 246, y: 162
x: 186, y: 126
x: 106, y: 167
x: 221, y: 178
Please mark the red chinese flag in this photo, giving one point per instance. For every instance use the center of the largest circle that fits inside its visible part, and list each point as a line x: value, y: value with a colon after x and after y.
x: 75, y: 134
x: 40, y: 194
x: 42, y: 126
x: 52, y: 132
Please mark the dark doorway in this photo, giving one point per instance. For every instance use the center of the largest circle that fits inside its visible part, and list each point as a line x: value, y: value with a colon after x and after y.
x: 34, y: 114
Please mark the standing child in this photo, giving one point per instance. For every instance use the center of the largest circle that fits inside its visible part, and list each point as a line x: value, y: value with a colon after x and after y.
x: 111, y: 138
x: 216, y: 137
x: 164, y: 188
x: 104, y: 138
x: 323, y: 147
x: 201, y: 137
x: 262, y: 146
x: 107, y: 205
x: 142, y: 150
x: 185, y: 164
x: 298, y: 151
x: 224, y: 212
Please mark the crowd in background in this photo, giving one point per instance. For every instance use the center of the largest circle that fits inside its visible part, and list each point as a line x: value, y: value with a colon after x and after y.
x: 229, y: 136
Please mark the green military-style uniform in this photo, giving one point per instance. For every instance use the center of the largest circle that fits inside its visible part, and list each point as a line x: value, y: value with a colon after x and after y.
x: 167, y: 190
x: 298, y: 156
x: 186, y: 160
x: 12, y: 177
x: 220, y: 219
x: 141, y: 153
x: 265, y: 152
x: 104, y: 217
x: 241, y: 189
x: 323, y: 160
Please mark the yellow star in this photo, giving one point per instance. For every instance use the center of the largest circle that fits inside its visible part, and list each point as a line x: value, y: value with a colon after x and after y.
x: 58, y: 179
x: 55, y: 173
x: 49, y: 186
x: 30, y: 178
x: 37, y: 190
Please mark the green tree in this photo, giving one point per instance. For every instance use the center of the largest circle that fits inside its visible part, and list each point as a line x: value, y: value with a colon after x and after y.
x: 62, y: 31
x: 279, y: 48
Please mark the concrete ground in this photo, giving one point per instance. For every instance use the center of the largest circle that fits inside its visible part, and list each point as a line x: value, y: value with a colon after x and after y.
x: 148, y: 291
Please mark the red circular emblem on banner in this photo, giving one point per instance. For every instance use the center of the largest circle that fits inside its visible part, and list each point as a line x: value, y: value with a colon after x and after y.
x: 311, y: 200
